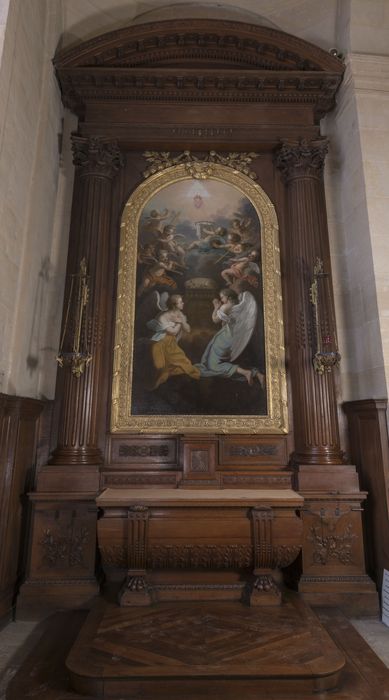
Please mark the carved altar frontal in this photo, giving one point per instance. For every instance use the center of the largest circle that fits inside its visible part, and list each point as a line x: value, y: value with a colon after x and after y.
x: 198, y: 544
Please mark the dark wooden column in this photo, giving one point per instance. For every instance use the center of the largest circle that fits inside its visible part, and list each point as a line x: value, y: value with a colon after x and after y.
x: 97, y: 161
x: 314, y: 401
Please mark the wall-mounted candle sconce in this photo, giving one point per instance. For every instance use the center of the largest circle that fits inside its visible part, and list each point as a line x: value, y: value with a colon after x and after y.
x: 327, y: 354
x: 78, y: 358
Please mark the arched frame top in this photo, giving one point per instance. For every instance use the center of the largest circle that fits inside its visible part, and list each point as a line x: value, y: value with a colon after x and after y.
x: 122, y: 417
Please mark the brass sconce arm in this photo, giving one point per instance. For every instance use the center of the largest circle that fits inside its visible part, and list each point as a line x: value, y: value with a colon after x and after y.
x: 327, y: 354
x: 78, y: 358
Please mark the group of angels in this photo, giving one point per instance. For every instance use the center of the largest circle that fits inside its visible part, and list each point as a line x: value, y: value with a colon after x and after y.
x: 166, y: 252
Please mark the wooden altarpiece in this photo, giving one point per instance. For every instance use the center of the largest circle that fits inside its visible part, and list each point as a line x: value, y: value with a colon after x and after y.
x: 196, y: 86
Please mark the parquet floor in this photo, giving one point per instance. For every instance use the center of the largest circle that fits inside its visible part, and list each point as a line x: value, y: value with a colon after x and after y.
x: 44, y: 675
x: 193, y: 641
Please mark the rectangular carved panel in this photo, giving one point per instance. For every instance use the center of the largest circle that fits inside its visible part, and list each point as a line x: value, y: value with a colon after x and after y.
x: 199, y: 462
x: 333, y: 543
x: 118, y: 479
x: 254, y: 451
x: 264, y: 480
x: 63, y: 539
x: 142, y: 451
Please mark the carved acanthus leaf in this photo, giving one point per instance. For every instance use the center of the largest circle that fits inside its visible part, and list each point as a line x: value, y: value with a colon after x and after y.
x: 96, y: 155
x: 301, y: 158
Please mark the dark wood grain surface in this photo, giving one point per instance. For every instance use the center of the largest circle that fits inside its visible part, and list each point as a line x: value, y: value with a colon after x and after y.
x: 43, y: 673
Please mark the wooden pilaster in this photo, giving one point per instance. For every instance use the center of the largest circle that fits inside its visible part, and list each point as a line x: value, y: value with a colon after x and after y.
x: 314, y: 400
x: 97, y: 161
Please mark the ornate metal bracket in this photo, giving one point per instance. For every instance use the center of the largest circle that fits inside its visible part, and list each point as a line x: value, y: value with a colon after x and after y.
x: 199, y: 168
x: 78, y: 358
x: 327, y: 354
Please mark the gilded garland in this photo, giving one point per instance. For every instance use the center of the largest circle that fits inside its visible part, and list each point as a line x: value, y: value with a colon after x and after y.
x: 199, y: 332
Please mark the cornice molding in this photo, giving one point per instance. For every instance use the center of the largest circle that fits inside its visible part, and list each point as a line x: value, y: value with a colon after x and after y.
x: 133, y: 44
x: 199, y: 61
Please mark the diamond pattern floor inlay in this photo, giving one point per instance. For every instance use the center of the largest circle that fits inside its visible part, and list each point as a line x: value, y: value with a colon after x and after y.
x: 176, y: 638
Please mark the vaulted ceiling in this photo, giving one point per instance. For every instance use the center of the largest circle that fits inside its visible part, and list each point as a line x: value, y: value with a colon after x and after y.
x: 313, y: 20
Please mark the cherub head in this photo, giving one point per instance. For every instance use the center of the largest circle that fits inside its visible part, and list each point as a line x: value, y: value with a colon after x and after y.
x: 234, y: 238
x: 228, y: 294
x: 148, y: 249
x: 167, y: 231
x: 175, y: 301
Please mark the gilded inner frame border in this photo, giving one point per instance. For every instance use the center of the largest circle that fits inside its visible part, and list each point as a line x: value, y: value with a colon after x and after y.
x: 122, y: 418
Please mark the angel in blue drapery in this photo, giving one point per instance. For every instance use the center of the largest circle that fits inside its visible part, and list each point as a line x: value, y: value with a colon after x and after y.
x: 238, y: 315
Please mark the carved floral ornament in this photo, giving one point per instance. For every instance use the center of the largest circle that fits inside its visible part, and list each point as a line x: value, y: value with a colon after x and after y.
x: 199, y: 168
x: 197, y: 557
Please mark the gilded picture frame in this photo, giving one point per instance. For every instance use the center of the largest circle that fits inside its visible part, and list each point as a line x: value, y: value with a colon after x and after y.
x: 200, y: 260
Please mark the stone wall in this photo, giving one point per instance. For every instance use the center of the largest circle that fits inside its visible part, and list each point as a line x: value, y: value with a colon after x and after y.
x: 33, y: 245
x: 358, y: 205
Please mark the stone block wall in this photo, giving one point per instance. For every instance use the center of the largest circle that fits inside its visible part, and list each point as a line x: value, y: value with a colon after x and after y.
x: 32, y: 264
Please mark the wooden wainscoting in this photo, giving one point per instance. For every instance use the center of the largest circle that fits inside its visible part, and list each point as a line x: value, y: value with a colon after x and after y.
x: 19, y: 437
x: 369, y: 450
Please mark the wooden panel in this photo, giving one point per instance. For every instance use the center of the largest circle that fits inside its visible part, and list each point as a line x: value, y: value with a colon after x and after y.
x: 198, y: 458
x: 275, y: 479
x: 61, y: 567
x: 253, y: 451
x: 18, y: 440
x: 145, y: 451
x: 149, y: 479
x: 370, y: 451
x: 63, y: 539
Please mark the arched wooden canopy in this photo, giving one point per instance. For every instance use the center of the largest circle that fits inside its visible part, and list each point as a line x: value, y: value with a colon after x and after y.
x: 198, y: 62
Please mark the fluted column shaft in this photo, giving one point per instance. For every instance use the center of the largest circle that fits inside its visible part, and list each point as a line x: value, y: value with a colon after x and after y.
x: 97, y: 161
x: 316, y: 429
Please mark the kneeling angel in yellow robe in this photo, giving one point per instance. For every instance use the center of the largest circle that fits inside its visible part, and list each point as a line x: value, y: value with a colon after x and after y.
x: 168, y: 358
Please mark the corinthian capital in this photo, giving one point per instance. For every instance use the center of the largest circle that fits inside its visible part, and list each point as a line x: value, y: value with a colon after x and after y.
x: 301, y: 158
x: 96, y: 156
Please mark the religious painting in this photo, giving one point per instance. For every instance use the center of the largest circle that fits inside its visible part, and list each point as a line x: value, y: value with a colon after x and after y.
x: 199, y: 320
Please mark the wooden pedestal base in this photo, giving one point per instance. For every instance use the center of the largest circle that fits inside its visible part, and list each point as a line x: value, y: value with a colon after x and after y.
x: 263, y: 588
x: 39, y: 598
x: 203, y: 650
x: 355, y: 595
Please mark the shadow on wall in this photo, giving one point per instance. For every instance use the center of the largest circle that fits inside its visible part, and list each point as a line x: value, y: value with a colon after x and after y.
x: 37, y: 316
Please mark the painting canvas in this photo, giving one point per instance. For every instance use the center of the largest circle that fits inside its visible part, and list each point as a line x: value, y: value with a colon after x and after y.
x: 199, y: 335
x: 198, y: 346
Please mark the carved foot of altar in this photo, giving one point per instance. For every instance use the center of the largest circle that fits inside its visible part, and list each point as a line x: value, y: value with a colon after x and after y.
x: 134, y: 591
x: 264, y: 591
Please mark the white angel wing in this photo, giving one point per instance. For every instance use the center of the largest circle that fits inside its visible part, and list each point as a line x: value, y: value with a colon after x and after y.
x: 242, y: 323
x: 161, y: 300
x: 151, y: 307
